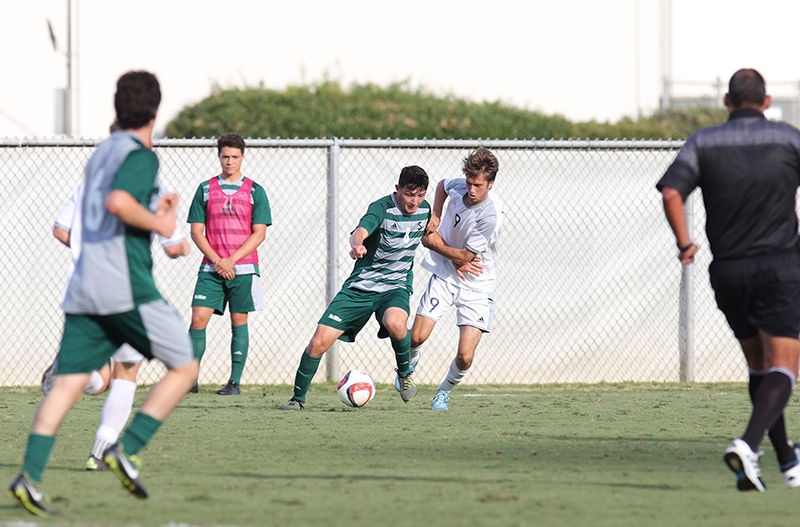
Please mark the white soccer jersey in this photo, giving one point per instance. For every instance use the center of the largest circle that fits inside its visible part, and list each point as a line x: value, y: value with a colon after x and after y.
x: 476, y: 228
x: 69, y: 219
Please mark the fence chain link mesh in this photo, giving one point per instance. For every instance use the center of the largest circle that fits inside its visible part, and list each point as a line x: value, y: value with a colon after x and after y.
x: 589, y: 283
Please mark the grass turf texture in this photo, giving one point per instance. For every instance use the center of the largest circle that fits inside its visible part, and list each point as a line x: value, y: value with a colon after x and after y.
x: 616, y: 455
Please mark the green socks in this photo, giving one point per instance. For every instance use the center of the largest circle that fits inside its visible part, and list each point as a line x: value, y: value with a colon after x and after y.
x: 36, y: 455
x: 138, y: 434
x: 305, y: 372
x: 240, y: 342
x: 402, y: 353
x: 198, y: 337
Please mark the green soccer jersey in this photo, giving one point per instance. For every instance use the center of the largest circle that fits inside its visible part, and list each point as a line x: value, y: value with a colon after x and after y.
x: 393, y: 239
x: 113, y: 271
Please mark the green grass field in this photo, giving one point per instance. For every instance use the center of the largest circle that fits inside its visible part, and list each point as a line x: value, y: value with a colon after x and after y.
x: 584, y: 455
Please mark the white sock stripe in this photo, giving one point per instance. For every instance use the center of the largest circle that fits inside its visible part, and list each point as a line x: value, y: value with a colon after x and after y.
x: 785, y: 371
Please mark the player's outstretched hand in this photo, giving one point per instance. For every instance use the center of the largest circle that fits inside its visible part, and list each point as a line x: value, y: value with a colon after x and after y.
x: 473, y: 267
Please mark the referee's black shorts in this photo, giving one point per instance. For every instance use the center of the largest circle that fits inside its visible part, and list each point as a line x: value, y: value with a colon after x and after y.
x: 759, y: 293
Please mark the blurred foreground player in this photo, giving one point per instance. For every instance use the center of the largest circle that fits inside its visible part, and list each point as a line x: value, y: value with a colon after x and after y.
x: 111, y: 298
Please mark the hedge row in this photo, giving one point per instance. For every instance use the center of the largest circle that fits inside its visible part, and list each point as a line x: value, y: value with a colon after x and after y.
x: 327, y: 109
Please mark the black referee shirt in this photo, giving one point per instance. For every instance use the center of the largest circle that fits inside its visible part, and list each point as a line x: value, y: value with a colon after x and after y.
x: 748, y: 169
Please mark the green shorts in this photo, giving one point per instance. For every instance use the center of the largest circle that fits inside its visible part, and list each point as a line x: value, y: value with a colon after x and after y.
x: 243, y: 294
x: 154, y: 329
x: 351, y: 308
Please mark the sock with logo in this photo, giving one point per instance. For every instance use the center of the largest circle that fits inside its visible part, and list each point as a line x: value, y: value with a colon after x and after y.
x: 777, y: 434
x: 36, y: 455
x: 305, y: 372
x: 769, y: 400
x: 240, y: 342
x: 454, y: 376
x: 402, y: 351
x: 139, y: 432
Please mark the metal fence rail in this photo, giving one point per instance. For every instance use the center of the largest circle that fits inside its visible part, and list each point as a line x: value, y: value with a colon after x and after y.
x: 589, y: 287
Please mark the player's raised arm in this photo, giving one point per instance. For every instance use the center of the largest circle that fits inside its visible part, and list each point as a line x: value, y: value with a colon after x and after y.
x: 438, y: 205
x: 357, y: 249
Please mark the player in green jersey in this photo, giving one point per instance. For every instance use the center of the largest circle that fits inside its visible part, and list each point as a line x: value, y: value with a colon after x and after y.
x: 111, y: 298
x: 383, y: 245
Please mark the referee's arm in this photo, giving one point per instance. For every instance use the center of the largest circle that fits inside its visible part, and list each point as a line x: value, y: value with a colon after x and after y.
x: 676, y: 217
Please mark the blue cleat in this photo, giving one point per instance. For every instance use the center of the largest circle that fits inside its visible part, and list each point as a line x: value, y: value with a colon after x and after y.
x: 440, y: 400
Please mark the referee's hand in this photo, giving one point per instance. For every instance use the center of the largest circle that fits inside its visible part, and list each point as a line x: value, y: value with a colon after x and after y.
x: 686, y: 256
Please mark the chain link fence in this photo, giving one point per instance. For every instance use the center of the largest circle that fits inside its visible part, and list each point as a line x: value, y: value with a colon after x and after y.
x: 590, y: 289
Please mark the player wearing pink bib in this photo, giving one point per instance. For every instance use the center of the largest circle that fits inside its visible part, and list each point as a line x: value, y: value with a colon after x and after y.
x: 229, y: 217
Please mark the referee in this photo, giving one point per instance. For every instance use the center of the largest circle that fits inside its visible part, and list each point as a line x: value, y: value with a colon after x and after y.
x: 749, y: 170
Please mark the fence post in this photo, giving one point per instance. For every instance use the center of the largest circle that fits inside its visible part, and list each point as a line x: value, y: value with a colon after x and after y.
x: 686, y: 317
x: 332, y: 222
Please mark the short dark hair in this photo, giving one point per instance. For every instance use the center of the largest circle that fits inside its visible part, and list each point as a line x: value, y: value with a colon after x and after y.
x: 232, y: 140
x: 136, y: 100
x: 481, y: 161
x: 746, y: 86
x: 413, y: 177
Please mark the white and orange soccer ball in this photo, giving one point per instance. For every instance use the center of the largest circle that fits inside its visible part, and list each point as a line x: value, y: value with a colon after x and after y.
x: 356, y: 388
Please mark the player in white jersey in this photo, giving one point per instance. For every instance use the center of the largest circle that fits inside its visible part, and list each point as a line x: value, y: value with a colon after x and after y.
x: 463, y: 262
x: 122, y: 388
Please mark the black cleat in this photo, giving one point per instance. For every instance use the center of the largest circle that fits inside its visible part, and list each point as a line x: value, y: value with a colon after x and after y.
x: 232, y: 388
x: 126, y: 469
x: 26, y: 494
x: 194, y: 389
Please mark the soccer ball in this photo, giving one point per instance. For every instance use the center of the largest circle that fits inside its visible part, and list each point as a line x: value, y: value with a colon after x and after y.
x: 356, y: 388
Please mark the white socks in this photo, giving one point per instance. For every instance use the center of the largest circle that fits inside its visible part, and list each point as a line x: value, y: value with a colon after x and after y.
x: 454, y: 376
x: 413, y: 358
x: 115, y: 413
x: 96, y: 383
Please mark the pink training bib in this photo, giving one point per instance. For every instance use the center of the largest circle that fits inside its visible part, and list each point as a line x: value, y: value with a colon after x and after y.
x: 229, y: 220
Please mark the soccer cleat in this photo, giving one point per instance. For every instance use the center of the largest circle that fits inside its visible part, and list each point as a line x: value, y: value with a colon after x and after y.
x: 232, y: 388
x: 412, y: 365
x: 94, y: 464
x: 126, y: 469
x: 194, y: 389
x: 791, y: 471
x: 293, y: 404
x: 408, y: 390
x: 26, y: 494
x: 49, y: 376
x: 741, y: 459
x: 440, y: 400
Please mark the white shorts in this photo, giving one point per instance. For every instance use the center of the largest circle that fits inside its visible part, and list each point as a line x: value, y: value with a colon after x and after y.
x: 127, y: 353
x: 473, y: 308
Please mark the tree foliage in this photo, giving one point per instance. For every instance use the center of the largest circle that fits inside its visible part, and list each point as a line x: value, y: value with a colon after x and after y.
x: 326, y: 109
